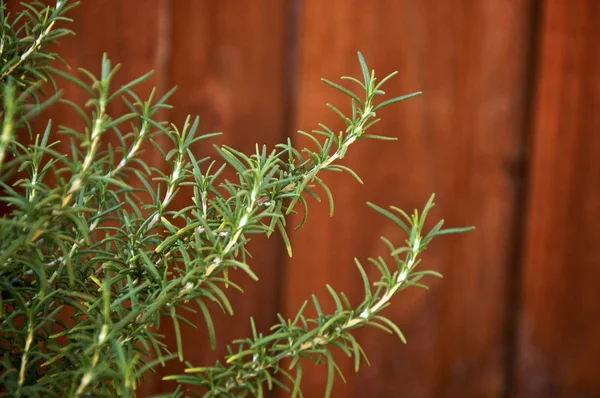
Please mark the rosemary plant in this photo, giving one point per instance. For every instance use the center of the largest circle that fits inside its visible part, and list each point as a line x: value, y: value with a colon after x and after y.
x: 88, y: 268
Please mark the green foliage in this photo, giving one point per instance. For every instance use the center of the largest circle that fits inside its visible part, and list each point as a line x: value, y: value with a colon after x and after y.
x: 256, y: 360
x: 80, y: 239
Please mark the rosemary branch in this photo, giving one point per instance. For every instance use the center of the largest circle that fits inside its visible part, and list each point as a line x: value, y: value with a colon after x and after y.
x: 78, y: 236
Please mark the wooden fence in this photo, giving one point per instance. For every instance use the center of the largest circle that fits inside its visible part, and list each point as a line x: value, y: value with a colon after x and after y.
x: 507, y: 134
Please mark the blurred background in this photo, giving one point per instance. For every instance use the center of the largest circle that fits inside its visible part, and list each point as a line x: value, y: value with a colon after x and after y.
x: 507, y: 134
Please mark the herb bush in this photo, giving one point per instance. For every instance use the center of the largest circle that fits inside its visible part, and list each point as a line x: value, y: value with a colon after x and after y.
x: 79, y: 238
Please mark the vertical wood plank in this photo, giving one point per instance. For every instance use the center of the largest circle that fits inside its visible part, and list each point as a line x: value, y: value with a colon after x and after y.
x: 559, y: 348
x: 462, y: 140
x: 228, y: 59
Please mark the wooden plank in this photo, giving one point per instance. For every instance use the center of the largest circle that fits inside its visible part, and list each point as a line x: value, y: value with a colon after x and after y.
x: 462, y: 140
x: 559, y: 349
x: 228, y: 60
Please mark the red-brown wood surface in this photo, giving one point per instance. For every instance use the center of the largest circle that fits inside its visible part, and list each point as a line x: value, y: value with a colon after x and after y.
x: 559, y: 324
x: 462, y: 140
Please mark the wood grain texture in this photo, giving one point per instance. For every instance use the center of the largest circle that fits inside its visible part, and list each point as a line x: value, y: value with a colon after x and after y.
x: 462, y: 140
x: 559, y: 348
x: 228, y: 61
